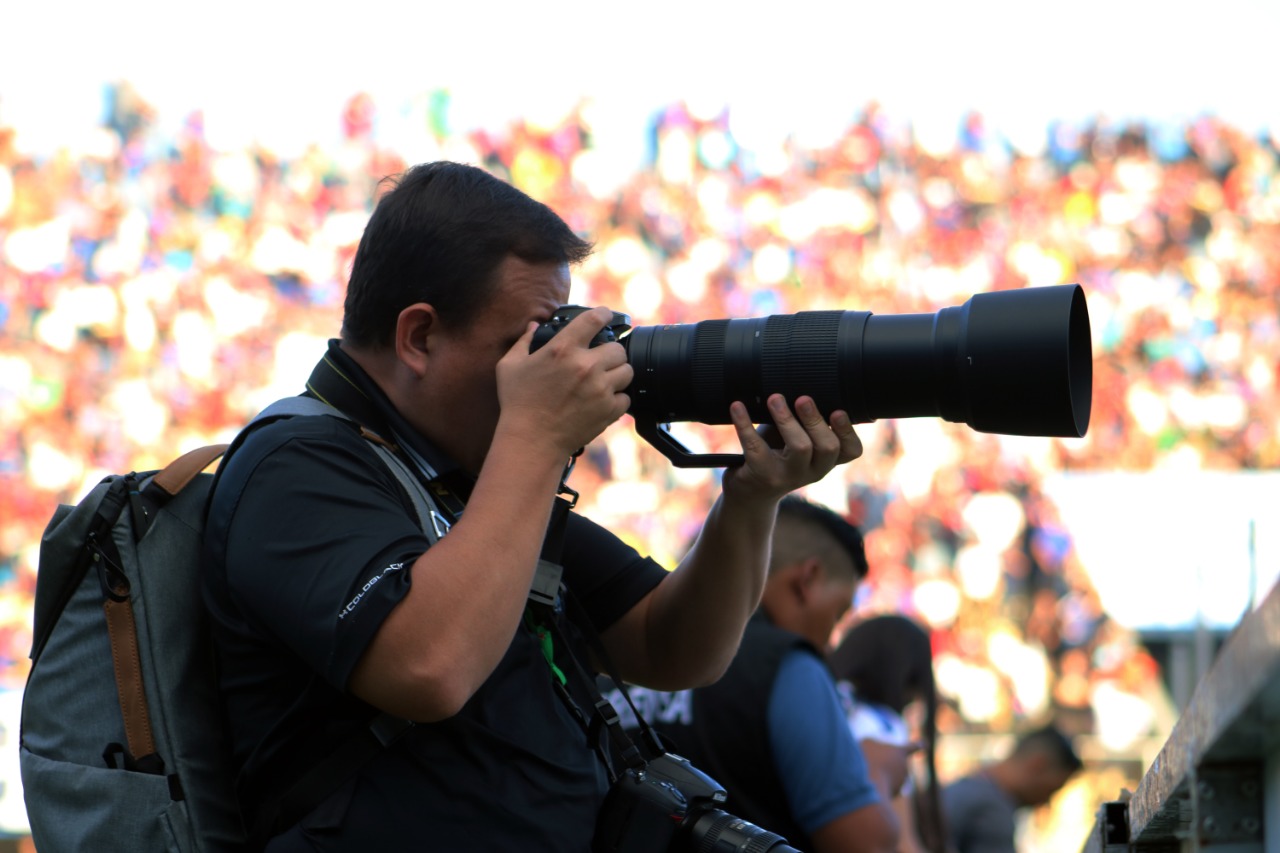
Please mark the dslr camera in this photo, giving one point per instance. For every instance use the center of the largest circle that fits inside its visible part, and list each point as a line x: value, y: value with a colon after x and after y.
x: 670, y: 805
x: 1017, y: 362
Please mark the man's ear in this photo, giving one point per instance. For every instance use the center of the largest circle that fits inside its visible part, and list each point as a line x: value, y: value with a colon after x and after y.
x: 415, y: 330
x: 805, y: 577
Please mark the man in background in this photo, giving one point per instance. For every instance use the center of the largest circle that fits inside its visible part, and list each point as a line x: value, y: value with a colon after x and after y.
x: 982, y: 808
x: 773, y: 731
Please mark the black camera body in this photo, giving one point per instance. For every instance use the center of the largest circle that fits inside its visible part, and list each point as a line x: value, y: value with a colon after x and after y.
x: 618, y: 326
x: 670, y: 805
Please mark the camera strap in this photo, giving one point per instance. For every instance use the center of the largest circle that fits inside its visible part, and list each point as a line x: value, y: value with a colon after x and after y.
x: 546, y: 599
x: 606, y: 715
x: 549, y: 598
x: 546, y: 605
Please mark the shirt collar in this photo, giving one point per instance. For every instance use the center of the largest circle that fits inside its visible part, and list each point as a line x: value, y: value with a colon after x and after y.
x: 340, y: 381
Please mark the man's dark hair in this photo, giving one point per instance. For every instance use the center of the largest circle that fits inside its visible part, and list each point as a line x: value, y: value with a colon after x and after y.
x: 438, y: 236
x: 848, y: 537
x: 1051, y: 742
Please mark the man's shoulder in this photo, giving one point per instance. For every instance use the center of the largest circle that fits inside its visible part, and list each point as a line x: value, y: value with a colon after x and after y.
x: 257, y: 441
x: 974, y: 792
x: 321, y: 450
x: 761, y: 635
x: 977, y: 780
x: 276, y: 431
x: 980, y: 816
x: 965, y: 785
x: 800, y: 662
x: 803, y: 692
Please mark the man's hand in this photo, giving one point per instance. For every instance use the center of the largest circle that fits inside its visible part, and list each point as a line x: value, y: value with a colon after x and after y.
x: 566, y: 393
x: 705, y: 602
x: 796, y: 450
x: 878, y: 827
x: 887, y: 765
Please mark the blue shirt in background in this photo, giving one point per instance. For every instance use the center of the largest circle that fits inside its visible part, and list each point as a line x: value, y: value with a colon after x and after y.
x: 821, y: 766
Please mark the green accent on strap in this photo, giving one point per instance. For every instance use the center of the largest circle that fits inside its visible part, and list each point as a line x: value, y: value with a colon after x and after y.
x: 548, y: 648
x: 545, y: 636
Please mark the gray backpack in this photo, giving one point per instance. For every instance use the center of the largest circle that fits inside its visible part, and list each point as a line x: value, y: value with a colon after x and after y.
x: 123, y: 745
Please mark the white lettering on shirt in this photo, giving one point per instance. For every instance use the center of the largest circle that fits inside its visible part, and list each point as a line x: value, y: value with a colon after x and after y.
x: 656, y: 706
x: 369, y: 584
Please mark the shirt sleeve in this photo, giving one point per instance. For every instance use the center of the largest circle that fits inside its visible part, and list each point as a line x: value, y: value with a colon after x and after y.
x: 820, y: 765
x: 990, y: 831
x: 604, y: 573
x: 320, y: 543
x: 979, y: 819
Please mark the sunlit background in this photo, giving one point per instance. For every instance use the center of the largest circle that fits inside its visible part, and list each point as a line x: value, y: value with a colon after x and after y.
x: 182, y: 188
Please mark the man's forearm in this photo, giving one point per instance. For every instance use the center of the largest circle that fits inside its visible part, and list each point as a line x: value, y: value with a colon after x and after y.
x: 871, y: 829
x: 706, y: 602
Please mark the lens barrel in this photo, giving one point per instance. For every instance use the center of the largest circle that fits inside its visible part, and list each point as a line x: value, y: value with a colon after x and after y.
x: 1017, y: 362
x: 717, y: 831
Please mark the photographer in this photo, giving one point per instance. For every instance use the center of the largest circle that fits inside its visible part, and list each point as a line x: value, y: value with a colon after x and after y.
x: 330, y: 603
x: 774, y: 731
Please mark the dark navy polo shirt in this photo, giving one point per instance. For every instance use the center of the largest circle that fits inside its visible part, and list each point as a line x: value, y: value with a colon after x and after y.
x: 310, y: 544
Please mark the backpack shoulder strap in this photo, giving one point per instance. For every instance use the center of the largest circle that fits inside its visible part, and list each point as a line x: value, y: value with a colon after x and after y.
x: 432, y: 523
x: 179, y: 473
x: 122, y: 629
x: 383, y: 729
x: 298, y: 405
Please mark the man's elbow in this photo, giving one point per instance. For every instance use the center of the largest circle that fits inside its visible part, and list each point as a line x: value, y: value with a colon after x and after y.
x: 871, y: 829
x: 682, y: 677
x: 421, y: 695
x: 710, y: 671
x: 887, y: 831
x: 669, y: 667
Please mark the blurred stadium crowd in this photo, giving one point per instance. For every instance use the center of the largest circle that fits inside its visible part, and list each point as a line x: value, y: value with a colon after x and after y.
x: 155, y: 292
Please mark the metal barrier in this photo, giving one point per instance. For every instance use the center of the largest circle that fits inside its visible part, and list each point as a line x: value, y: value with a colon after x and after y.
x: 1216, y: 782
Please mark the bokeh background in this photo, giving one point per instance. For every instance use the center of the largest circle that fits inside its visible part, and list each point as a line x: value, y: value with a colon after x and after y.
x: 182, y: 187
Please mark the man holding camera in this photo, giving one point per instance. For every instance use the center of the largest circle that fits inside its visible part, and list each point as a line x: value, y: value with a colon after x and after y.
x: 332, y: 605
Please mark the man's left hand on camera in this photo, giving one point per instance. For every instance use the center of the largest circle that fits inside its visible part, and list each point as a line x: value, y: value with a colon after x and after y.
x: 705, y: 602
x: 797, y: 449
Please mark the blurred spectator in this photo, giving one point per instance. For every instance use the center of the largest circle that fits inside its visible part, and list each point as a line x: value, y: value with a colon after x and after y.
x: 982, y: 808
x: 886, y: 664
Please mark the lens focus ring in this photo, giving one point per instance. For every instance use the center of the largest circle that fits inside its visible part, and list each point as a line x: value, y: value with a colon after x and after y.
x: 799, y: 357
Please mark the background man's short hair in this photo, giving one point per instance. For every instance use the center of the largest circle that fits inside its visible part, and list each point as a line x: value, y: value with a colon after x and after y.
x: 1050, y: 741
x: 844, y: 533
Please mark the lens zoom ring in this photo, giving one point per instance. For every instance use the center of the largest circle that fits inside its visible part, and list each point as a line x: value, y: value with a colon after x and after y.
x: 800, y: 357
x: 708, y: 366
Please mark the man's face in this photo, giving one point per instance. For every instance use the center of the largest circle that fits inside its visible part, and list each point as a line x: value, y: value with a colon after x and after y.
x: 464, y: 360
x: 829, y: 599
x: 1043, y: 780
x: 838, y: 601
